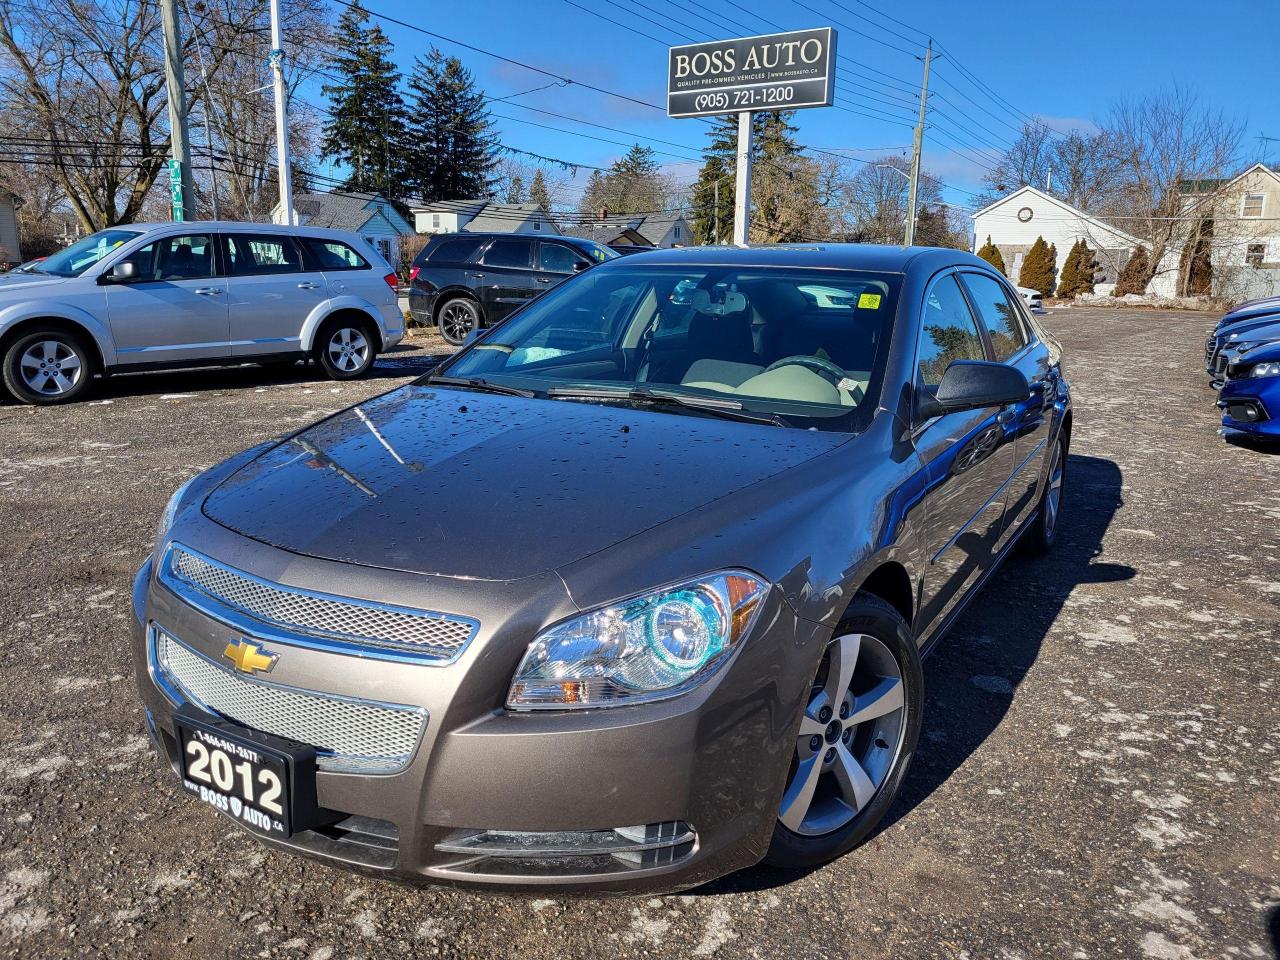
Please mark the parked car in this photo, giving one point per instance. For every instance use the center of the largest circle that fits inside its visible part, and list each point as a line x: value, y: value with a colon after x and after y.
x: 463, y: 282
x: 1226, y: 338
x: 1250, y: 396
x: 630, y: 593
x: 1034, y: 299
x: 1249, y: 336
x: 164, y: 295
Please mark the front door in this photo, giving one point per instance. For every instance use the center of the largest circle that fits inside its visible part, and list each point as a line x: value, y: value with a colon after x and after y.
x: 1012, y: 342
x: 506, y: 278
x: 271, y: 292
x: 969, y: 456
x: 175, y: 307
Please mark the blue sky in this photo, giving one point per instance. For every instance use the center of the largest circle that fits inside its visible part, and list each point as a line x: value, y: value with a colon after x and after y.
x: 1063, y: 61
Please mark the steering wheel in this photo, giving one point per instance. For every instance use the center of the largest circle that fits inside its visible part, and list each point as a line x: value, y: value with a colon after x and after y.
x: 823, y: 368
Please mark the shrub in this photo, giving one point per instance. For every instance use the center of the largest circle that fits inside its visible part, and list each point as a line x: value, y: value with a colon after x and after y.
x: 1136, y: 273
x: 991, y: 253
x: 1078, y: 272
x: 1038, y: 268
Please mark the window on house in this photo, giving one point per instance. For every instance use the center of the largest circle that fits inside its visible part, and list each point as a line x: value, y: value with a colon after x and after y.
x: 435, y: 221
x: 1254, y: 255
x: 1253, y: 204
x: 384, y: 248
x: 676, y: 234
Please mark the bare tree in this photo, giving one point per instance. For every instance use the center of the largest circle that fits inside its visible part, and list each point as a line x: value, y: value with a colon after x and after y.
x: 791, y: 198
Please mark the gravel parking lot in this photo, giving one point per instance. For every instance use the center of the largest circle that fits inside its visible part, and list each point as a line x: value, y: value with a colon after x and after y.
x: 1099, y: 774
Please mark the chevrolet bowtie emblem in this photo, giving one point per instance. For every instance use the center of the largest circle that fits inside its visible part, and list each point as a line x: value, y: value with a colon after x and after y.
x: 249, y: 657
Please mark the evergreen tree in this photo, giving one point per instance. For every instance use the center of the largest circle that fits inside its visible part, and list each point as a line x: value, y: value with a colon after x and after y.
x: 1038, y: 268
x: 991, y: 253
x: 1136, y: 273
x: 774, y: 148
x: 450, y: 137
x: 1053, y: 262
x: 515, y: 191
x: 366, y: 129
x: 1078, y: 272
x: 633, y: 184
x: 593, y: 195
x: 538, y: 192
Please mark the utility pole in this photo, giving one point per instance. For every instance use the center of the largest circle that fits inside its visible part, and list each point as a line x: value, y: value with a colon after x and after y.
x: 915, y: 151
x: 742, y: 196
x: 283, y: 172
x: 181, y: 188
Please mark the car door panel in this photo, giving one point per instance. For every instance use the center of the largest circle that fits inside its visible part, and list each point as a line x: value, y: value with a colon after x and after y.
x: 504, y: 278
x: 177, y: 307
x: 272, y: 292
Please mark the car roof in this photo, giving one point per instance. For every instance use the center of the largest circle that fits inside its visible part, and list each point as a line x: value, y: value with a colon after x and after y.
x: 296, y: 230
x: 840, y: 256
x: 502, y: 234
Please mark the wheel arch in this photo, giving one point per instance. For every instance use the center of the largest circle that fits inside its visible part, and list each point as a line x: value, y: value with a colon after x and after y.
x: 454, y: 293
x: 98, y: 352
x: 891, y: 582
x: 352, y: 312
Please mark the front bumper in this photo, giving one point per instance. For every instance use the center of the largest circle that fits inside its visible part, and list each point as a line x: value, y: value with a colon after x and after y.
x: 712, y: 761
x: 1252, y: 406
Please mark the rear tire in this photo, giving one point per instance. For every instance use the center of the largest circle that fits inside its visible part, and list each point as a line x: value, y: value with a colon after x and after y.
x: 870, y: 730
x: 345, y: 349
x: 457, y: 318
x: 1044, y: 530
x: 46, y: 366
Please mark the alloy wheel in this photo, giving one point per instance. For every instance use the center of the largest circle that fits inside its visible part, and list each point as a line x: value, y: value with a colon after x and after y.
x: 348, y: 349
x: 456, y: 321
x: 1053, y: 494
x: 50, y: 367
x: 850, y: 736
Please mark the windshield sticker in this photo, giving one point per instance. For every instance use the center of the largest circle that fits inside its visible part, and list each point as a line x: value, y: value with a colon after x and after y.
x: 869, y: 301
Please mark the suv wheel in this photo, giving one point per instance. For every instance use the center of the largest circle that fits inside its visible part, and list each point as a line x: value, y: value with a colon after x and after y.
x: 856, y: 738
x: 345, y: 349
x: 458, y: 317
x: 46, y: 366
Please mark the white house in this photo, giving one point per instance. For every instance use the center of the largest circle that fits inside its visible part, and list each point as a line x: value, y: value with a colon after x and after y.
x: 10, y: 252
x: 1241, y: 218
x: 1014, y: 222
x: 482, y: 216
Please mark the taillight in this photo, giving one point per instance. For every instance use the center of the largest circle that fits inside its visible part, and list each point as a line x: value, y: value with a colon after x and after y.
x: 393, y: 282
x: 413, y: 273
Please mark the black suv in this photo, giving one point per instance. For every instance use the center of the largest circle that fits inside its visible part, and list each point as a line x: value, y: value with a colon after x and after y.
x: 464, y: 281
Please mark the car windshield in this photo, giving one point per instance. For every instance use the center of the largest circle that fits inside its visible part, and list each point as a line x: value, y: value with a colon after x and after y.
x: 600, y: 253
x: 83, y: 254
x: 804, y: 348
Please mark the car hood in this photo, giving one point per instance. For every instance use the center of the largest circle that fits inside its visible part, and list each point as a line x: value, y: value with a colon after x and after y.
x: 27, y: 282
x: 1254, y: 332
x: 466, y: 484
x: 1268, y: 352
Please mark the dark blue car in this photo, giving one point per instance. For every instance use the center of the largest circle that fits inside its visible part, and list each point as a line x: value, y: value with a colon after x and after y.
x: 1250, y: 398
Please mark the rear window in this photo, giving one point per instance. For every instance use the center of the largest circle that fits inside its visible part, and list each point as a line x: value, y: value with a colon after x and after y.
x: 508, y: 253
x: 332, y: 255
x: 453, y: 250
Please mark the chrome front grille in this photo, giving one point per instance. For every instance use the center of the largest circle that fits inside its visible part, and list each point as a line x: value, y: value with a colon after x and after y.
x: 427, y: 634
x: 354, y: 736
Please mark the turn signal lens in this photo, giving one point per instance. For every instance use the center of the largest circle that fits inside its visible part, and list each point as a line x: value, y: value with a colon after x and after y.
x: 648, y: 648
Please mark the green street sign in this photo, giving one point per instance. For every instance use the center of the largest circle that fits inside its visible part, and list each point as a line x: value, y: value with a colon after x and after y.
x: 175, y: 189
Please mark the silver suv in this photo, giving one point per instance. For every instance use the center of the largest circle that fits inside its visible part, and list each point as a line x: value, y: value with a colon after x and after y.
x: 149, y: 296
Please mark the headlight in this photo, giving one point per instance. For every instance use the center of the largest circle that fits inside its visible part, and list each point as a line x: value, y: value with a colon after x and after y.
x: 1269, y: 369
x: 171, y: 511
x: 648, y: 648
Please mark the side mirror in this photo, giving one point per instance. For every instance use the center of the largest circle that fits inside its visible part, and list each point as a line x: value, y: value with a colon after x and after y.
x: 973, y: 385
x: 580, y: 265
x: 120, y: 273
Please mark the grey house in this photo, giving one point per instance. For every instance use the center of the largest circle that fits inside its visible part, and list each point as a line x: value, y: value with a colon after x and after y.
x: 368, y: 215
x: 647, y: 230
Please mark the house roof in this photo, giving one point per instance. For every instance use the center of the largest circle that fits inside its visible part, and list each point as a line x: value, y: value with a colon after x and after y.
x: 502, y: 217
x: 467, y: 208
x: 340, y: 210
x: 649, y: 228
x: 1065, y: 207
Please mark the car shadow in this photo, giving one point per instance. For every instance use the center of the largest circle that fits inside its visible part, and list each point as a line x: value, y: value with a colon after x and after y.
x: 971, y: 677
x: 395, y: 364
x: 1249, y: 442
x: 1273, y: 931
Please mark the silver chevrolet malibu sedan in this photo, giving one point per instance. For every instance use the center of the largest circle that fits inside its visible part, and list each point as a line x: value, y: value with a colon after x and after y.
x: 630, y: 593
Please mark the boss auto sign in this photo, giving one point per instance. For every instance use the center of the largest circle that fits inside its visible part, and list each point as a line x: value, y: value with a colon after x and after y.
x: 780, y: 71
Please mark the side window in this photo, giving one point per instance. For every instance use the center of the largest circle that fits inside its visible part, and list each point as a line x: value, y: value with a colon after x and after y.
x: 999, y: 313
x: 187, y: 257
x: 331, y: 255
x: 509, y: 253
x: 557, y: 258
x: 261, y: 253
x: 454, y: 250
x: 948, y: 331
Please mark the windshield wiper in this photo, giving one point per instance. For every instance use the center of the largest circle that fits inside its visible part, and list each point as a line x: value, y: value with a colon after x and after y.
x: 716, y: 406
x: 477, y: 383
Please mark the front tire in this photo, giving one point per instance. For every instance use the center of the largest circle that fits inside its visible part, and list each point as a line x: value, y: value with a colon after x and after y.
x: 47, y: 365
x: 856, y: 738
x: 1044, y: 530
x: 345, y: 349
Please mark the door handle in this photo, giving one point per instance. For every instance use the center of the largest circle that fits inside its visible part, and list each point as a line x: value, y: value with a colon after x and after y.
x: 477, y: 276
x: 544, y: 279
x: 308, y: 285
x: 208, y: 291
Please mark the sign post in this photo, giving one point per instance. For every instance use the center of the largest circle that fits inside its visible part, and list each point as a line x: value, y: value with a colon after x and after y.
x: 778, y: 71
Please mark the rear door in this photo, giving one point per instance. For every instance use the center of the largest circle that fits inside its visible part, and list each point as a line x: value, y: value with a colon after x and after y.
x: 1013, y: 341
x: 969, y: 456
x: 272, y: 292
x: 175, y: 308
x: 507, y: 278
